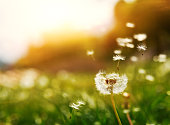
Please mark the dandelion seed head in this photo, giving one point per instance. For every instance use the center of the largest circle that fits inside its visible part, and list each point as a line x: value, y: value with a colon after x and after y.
x: 141, y: 71
x: 133, y: 58
x: 129, y: 45
x: 150, y: 78
x: 141, y: 47
x: 105, y: 83
x: 117, y: 52
x: 118, y: 57
x: 90, y: 52
x: 140, y: 37
x: 130, y: 25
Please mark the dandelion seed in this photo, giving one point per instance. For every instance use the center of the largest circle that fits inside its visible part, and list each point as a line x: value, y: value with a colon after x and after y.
x: 80, y: 102
x: 141, y: 71
x: 150, y: 124
x: 74, y: 106
x: 123, y: 41
x: 149, y: 78
x: 136, y: 109
x: 168, y: 93
x: 118, y: 57
x: 160, y: 58
x: 130, y: 25
x: 140, y: 37
x: 126, y: 111
x: 117, y: 52
x: 107, y: 83
x: 129, y: 1
x: 129, y: 45
x: 126, y: 95
x: 97, y: 123
x: 134, y: 59
x: 90, y: 52
x: 77, y: 104
x: 142, y: 47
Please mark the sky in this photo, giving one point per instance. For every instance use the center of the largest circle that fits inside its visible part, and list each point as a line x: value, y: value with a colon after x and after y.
x: 23, y: 22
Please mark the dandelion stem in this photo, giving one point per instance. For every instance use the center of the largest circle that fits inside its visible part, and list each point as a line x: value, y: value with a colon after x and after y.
x: 129, y: 119
x: 118, y: 65
x: 115, y: 111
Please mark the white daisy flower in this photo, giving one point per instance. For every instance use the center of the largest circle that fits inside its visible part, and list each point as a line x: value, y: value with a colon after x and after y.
x: 140, y: 37
x: 107, y: 83
x: 130, y: 25
x: 142, y: 47
x: 118, y: 57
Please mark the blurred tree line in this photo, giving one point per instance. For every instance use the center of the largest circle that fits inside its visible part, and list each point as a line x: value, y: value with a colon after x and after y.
x: 149, y: 16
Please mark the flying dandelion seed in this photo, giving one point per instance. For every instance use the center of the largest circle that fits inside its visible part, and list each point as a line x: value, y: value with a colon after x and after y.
x: 133, y: 58
x: 126, y: 95
x: 129, y: 45
x: 80, y: 102
x: 150, y: 78
x: 130, y: 25
x: 126, y: 111
x: 74, y: 106
x: 123, y: 41
x: 90, y: 52
x: 129, y: 1
x: 77, y: 104
x: 160, y: 58
x: 142, y: 47
x: 136, y: 109
x: 118, y: 57
x: 141, y: 71
x: 140, y: 37
x: 168, y: 93
x: 150, y: 124
x: 107, y: 83
x: 117, y: 52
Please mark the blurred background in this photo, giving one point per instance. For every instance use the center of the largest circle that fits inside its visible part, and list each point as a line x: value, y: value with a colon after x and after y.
x: 50, y: 51
x: 53, y: 35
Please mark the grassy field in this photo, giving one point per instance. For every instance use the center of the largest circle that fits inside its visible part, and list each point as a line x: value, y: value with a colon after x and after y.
x: 47, y: 100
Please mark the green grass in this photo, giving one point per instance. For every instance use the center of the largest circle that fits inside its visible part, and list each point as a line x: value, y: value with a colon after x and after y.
x: 49, y: 105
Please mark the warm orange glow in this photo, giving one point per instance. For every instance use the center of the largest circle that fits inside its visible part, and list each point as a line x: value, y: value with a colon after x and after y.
x: 23, y: 21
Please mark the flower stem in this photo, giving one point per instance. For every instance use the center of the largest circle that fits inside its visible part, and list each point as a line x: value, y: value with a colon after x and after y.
x: 115, y: 111
x: 118, y: 65
x: 129, y: 119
